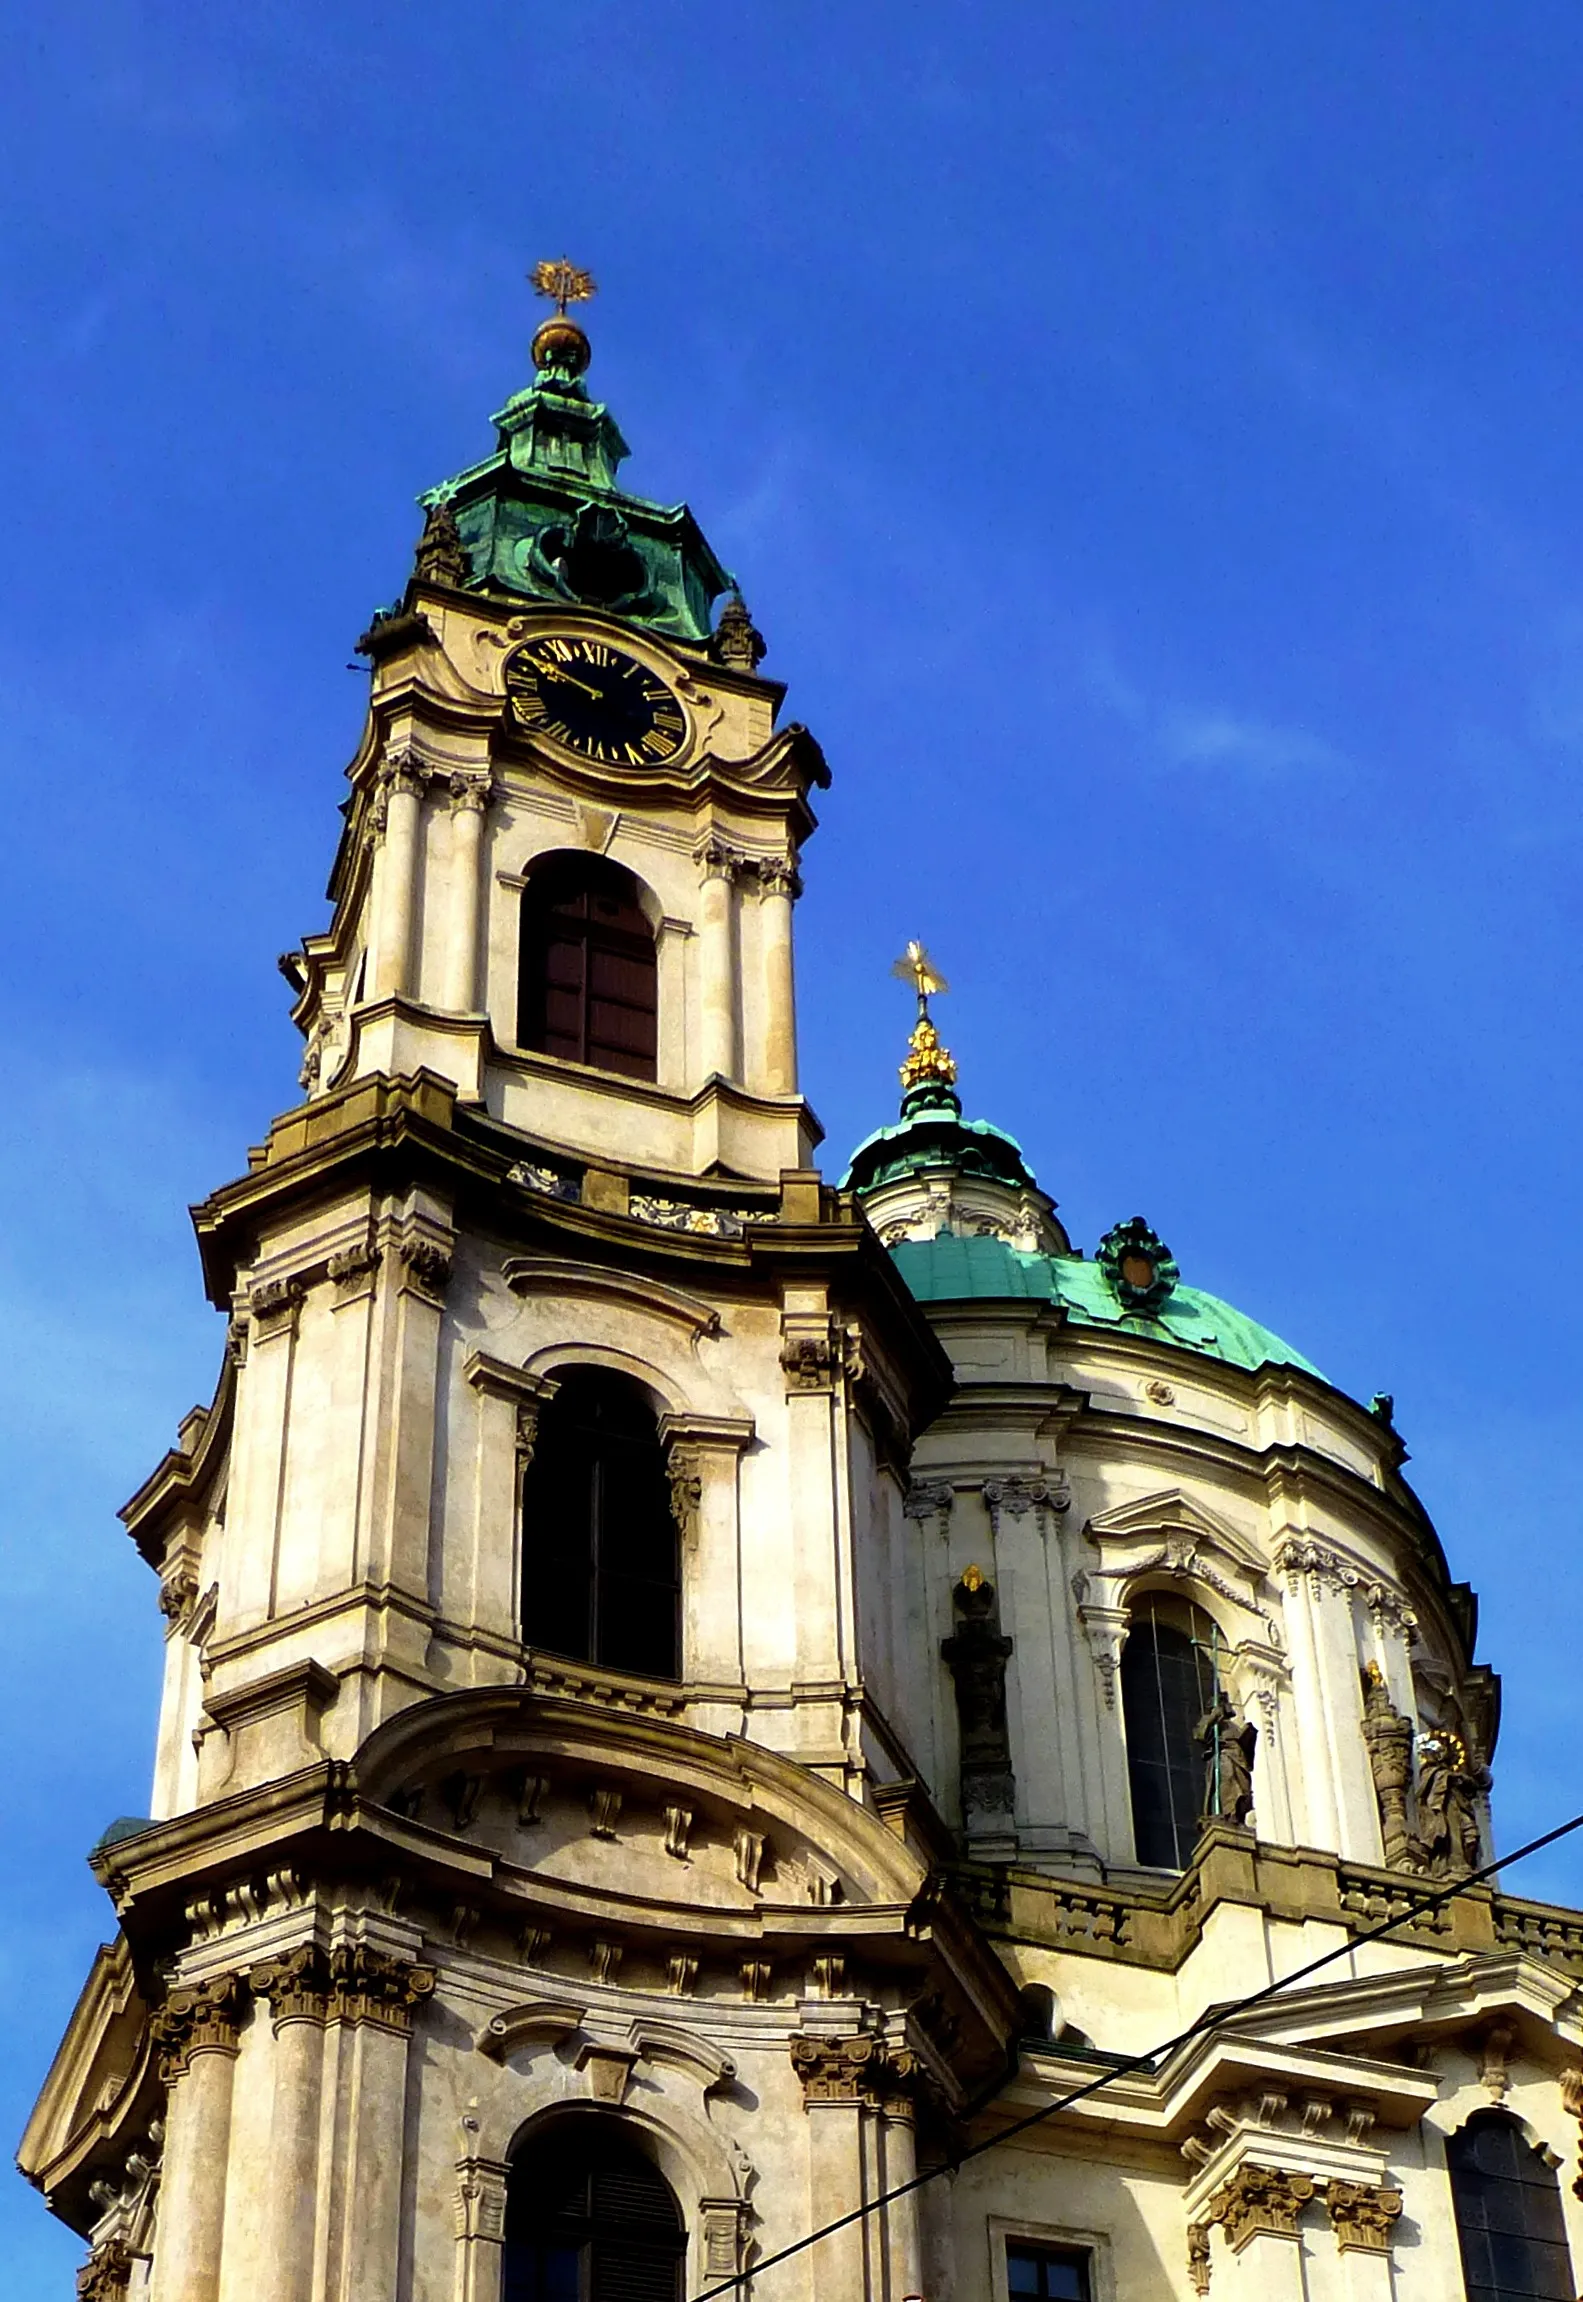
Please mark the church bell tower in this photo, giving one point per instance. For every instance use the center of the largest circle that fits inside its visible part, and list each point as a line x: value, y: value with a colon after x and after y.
x: 534, y: 1792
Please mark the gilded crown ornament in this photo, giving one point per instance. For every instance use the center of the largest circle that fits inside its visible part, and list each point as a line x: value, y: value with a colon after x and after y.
x: 928, y: 1064
x: 560, y: 343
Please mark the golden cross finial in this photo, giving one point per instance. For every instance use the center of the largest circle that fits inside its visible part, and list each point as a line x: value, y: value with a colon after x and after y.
x: 928, y: 1064
x: 562, y: 282
x: 917, y: 968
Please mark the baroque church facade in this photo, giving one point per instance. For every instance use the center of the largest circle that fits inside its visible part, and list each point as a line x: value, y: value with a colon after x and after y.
x: 695, y: 1694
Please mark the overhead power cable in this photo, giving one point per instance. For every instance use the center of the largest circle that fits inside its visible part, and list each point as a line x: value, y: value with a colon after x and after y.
x: 1210, y: 2019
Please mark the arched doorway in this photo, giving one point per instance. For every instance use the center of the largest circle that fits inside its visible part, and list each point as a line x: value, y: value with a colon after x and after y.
x: 589, y: 2218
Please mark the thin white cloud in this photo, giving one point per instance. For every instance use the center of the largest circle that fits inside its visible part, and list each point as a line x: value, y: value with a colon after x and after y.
x: 1209, y: 736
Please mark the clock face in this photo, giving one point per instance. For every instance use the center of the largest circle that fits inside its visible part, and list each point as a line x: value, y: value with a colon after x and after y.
x: 595, y: 699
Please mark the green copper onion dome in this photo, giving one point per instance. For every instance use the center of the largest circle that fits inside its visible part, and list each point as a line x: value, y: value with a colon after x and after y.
x: 543, y: 518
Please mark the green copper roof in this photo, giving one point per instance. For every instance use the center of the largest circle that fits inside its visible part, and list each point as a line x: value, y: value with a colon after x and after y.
x: 932, y: 1132
x: 544, y: 518
x: 949, y: 1269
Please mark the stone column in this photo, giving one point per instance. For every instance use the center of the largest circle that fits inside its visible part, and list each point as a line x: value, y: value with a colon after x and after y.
x: 469, y: 803
x: 295, y: 1985
x: 1362, y: 2215
x: 779, y: 886
x: 197, y: 2033
x: 397, y: 809
x: 717, y: 924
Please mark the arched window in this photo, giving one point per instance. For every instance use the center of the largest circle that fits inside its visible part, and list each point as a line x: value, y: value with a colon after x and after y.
x: 587, y: 986
x: 1169, y: 1675
x: 590, y: 2219
x: 1509, y: 2220
x: 601, y: 1560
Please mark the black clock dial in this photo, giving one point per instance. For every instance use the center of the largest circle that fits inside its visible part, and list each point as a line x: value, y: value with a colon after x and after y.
x: 595, y: 699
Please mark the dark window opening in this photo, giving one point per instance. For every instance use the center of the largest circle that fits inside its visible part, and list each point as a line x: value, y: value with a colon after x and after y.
x: 601, y: 1559
x: 588, y: 983
x: 1509, y: 2214
x: 1169, y: 1676
x: 1047, y: 2273
x: 590, y: 2219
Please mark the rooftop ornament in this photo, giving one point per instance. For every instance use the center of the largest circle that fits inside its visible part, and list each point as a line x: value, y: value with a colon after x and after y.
x: 560, y: 343
x: 1140, y: 1268
x: 928, y: 1076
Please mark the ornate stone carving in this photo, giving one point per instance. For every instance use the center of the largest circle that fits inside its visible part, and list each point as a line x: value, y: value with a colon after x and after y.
x: 1260, y: 2201
x: 1228, y: 1742
x: 930, y: 1499
x: 1017, y: 1494
x: 684, y: 1471
x: 814, y: 1358
x: 1138, y: 1266
x: 756, y: 1974
x: 605, y: 1959
x: 461, y: 1793
x: 724, y: 2228
x: 1572, y: 2103
x: 296, y: 1985
x: 865, y: 2070
x: 549, y: 1180
x: 276, y: 1299
x: 441, y: 557
x: 977, y: 1655
x: 1198, y: 2256
x: 604, y: 1810
x: 198, y: 2018
x: 1361, y: 2214
x: 178, y: 1595
x: 107, y: 2273
x: 368, y: 1985
x: 737, y: 641
x: 778, y: 875
x: 748, y: 1849
x: 829, y: 1976
x: 1300, y: 1555
x: 353, y: 1264
x: 681, y: 1974
x: 470, y: 793
x: 1388, y: 1738
x: 718, y: 859
x: 480, y: 2200
x: 429, y: 1264
x: 678, y: 1831
x: 1451, y: 1783
x: 711, y: 1222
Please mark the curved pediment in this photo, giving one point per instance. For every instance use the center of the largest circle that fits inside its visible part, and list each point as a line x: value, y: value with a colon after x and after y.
x: 606, y: 1803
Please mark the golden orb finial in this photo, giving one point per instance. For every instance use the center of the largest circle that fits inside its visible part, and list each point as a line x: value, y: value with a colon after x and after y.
x: 560, y: 342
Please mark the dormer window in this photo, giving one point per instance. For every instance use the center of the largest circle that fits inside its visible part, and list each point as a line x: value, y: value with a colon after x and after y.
x: 587, y: 989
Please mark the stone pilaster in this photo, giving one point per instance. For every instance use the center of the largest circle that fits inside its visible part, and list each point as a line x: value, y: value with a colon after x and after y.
x: 396, y: 811
x: 296, y: 1987
x: 857, y: 2091
x: 469, y: 803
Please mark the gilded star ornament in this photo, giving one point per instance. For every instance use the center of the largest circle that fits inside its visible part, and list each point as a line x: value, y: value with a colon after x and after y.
x: 562, y: 281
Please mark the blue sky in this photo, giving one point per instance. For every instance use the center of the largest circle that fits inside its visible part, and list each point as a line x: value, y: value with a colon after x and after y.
x: 1148, y: 438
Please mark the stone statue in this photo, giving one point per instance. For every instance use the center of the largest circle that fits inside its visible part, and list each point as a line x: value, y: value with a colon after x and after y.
x: 1450, y: 1784
x: 441, y: 556
x: 977, y: 1654
x: 1227, y: 1741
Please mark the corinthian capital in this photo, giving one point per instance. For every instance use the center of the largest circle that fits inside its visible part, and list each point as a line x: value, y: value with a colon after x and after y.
x: 198, y: 2018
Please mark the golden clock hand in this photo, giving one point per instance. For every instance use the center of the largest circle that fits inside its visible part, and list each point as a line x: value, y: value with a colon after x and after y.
x: 558, y: 671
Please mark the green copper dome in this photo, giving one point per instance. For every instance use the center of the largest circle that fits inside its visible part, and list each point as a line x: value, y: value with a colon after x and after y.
x: 950, y: 1269
x: 543, y: 517
x: 932, y: 1133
